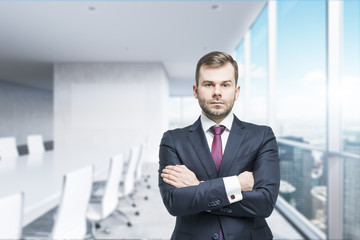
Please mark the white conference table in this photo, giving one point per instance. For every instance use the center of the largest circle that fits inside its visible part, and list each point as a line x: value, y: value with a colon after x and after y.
x: 40, y: 178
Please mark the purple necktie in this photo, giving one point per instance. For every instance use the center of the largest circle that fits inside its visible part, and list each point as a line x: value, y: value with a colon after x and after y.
x: 216, y: 147
x: 216, y: 152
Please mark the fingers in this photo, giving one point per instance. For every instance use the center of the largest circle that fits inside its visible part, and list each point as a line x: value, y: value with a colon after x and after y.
x: 172, y: 180
x: 246, y: 173
x: 176, y: 168
x: 246, y: 180
x: 173, y: 183
x: 179, y: 176
x: 171, y: 172
x: 170, y: 177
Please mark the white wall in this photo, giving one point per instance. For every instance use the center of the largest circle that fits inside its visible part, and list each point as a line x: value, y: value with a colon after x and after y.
x: 25, y: 110
x: 101, y: 109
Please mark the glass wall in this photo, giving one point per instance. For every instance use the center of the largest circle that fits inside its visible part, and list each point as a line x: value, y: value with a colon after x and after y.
x: 304, y: 181
x: 351, y: 203
x: 257, y: 102
x: 351, y: 118
x: 301, y: 106
x: 301, y: 70
x: 239, y: 107
x: 351, y: 77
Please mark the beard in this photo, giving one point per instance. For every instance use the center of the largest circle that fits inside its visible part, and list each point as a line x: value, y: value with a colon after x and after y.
x: 216, y: 113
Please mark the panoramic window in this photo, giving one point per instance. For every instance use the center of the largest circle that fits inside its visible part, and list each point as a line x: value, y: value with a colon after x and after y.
x: 257, y: 102
x: 301, y: 71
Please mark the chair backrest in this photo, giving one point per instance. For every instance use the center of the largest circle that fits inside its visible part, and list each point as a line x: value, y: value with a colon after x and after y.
x: 11, y: 215
x: 110, y: 197
x: 8, y: 147
x: 141, y: 157
x: 129, y: 181
x: 35, y: 144
x: 70, y: 221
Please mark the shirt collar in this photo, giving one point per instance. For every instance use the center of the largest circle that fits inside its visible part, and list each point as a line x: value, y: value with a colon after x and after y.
x: 207, y: 123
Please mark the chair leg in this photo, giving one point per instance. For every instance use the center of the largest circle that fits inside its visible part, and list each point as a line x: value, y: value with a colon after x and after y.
x: 95, y: 226
x: 92, y: 229
x: 128, y: 223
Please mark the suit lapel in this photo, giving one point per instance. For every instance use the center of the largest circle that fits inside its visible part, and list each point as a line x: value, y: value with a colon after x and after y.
x: 236, y: 137
x: 199, y: 143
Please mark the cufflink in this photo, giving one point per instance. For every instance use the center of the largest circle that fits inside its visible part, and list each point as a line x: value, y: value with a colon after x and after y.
x: 232, y: 196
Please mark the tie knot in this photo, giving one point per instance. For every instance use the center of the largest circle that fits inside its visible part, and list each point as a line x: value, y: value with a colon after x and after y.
x: 217, y: 130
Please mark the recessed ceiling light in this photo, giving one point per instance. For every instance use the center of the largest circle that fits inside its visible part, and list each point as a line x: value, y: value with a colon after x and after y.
x: 215, y: 7
x: 91, y: 8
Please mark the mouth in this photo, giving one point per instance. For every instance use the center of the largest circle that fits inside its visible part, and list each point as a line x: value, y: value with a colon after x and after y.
x: 217, y: 103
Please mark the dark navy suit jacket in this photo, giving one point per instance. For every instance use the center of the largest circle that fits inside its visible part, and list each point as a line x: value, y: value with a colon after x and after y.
x: 201, y: 210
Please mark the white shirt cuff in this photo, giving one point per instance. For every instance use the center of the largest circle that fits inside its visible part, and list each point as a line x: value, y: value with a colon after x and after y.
x: 233, y: 189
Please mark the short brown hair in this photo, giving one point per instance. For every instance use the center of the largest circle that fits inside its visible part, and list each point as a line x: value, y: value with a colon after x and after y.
x: 216, y: 59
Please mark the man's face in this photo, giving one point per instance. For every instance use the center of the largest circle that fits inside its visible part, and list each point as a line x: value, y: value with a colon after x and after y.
x: 216, y: 91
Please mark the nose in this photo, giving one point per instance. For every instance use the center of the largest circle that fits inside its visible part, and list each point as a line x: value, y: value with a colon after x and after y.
x: 217, y: 91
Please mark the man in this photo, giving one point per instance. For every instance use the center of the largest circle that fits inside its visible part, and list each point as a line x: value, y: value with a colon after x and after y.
x: 204, y: 171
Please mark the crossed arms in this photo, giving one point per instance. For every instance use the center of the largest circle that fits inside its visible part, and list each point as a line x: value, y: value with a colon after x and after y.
x: 180, y: 176
x: 184, y: 194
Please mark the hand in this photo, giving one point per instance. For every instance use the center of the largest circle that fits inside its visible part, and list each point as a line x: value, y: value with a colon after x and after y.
x: 179, y: 176
x: 246, y: 180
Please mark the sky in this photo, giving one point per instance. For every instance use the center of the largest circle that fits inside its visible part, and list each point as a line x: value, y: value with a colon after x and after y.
x: 301, y: 64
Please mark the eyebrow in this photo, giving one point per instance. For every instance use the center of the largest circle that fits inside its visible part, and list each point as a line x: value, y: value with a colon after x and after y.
x: 211, y: 81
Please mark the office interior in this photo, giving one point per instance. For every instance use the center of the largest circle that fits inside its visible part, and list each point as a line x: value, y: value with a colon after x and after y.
x: 101, y: 80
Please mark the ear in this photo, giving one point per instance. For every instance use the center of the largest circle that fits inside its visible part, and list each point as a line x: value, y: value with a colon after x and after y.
x: 195, y: 90
x: 237, y: 91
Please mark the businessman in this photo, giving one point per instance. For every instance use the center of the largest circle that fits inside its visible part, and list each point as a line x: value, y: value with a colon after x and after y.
x: 220, y: 176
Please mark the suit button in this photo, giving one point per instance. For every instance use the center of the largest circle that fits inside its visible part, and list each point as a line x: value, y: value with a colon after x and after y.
x: 215, y: 236
x: 229, y: 210
x: 218, y: 202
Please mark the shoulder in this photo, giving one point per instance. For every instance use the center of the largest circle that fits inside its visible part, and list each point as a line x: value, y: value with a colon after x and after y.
x: 242, y: 124
x: 254, y: 128
x: 178, y: 131
x: 179, y: 134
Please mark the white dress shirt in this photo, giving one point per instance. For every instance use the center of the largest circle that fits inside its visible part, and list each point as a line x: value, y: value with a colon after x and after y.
x: 232, y: 184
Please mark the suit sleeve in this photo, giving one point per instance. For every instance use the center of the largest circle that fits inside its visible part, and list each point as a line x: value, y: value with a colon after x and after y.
x: 208, y: 195
x: 259, y: 202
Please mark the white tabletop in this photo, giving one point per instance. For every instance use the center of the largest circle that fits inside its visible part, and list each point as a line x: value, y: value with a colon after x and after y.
x: 40, y: 178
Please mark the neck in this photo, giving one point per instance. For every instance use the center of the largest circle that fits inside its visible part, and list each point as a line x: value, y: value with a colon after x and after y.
x: 217, y: 120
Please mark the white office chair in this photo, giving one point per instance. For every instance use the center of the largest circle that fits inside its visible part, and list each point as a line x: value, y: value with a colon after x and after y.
x: 130, y: 175
x: 11, y: 215
x: 138, y: 174
x: 8, y: 147
x: 128, y: 190
x: 35, y: 144
x: 99, y: 211
x: 70, y: 222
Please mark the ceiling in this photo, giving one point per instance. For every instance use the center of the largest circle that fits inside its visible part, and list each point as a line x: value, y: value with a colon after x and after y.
x: 35, y: 34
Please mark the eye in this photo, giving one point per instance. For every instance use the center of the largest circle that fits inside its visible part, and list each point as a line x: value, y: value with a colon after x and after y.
x: 208, y: 85
x: 226, y: 85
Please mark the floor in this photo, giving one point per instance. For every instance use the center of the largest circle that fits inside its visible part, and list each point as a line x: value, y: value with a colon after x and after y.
x: 153, y: 221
